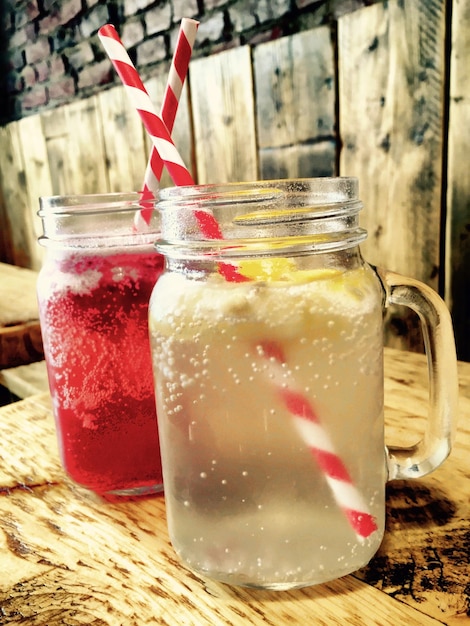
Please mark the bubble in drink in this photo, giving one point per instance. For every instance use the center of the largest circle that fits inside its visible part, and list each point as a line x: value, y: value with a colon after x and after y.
x: 271, y: 515
x: 94, y: 318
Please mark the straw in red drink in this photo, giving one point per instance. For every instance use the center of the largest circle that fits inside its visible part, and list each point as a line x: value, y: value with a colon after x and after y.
x: 141, y: 101
x: 298, y: 405
x: 171, y: 97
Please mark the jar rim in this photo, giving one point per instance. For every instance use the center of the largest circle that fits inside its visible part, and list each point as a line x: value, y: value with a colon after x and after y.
x: 92, y: 203
x: 340, y: 188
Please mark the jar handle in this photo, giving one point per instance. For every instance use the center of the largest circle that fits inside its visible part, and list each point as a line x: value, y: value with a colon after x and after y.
x: 436, y: 324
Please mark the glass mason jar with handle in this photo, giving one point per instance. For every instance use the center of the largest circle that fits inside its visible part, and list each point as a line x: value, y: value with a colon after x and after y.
x: 267, y: 339
x: 93, y: 292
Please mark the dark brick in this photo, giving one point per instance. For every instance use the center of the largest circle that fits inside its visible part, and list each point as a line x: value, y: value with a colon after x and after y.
x: 241, y: 19
x: 42, y: 70
x: 14, y: 83
x: 29, y: 76
x: 151, y: 51
x: 30, y: 31
x: 211, y: 29
x: 20, y: 19
x: 56, y: 64
x: 34, y: 99
x: 16, y: 59
x: 132, y: 33
x: 80, y: 56
x: 212, y: 4
x: 62, y: 90
x: 49, y: 24
x: 303, y: 4
x: 97, y: 74
x: 131, y: 7
x: 49, y: 5
x: 6, y: 20
x: 94, y: 20
x: 63, y: 38
x: 38, y: 50
x: 158, y: 19
x: 184, y: 8
x: 32, y: 10
x: 19, y: 38
x: 69, y: 10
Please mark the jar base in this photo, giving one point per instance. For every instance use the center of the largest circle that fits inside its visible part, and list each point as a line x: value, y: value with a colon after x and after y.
x: 148, y: 490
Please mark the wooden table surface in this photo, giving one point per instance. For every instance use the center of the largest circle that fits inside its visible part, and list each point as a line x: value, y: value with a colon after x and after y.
x: 69, y: 557
x: 20, y: 332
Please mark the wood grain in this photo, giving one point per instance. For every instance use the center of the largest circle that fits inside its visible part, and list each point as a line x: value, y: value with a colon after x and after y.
x: 269, y: 111
x: 222, y: 103
x: 123, y: 136
x: 295, y: 105
x: 391, y: 73
x: 37, y: 182
x: 458, y: 222
x: 68, y: 556
x: 13, y: 179
x: 391, y: 103
x: 20, y: 332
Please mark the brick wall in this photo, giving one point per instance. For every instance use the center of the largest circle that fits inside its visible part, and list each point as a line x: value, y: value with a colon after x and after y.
x: 50, y: 53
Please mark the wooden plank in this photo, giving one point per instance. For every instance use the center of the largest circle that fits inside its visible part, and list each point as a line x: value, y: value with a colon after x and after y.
x: 223, y: 116
x: 424, y: 558
x: 295, y: 105
x: 54, y: 124
x: 123, y: 136
x: 86, y: 148
x: 458, y: 214
x: 25, y: 380
x: 391, y: 72
x: 38, y: 180
x: 391, y: 75
x: 15, y: 196
x: 182, y: 131
x: 300, y: 161
x: 20, y: 332
x: 75, y: 146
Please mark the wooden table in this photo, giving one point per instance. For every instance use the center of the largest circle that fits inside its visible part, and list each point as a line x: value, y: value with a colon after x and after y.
x: 20, y: 332
x: 69, y: 557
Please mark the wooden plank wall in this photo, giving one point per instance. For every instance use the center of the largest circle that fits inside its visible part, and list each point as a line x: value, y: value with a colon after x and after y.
x: 368, y: 98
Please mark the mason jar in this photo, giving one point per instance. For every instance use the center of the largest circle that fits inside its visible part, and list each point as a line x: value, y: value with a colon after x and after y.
x: 93, y: 292
x: 267, y: 340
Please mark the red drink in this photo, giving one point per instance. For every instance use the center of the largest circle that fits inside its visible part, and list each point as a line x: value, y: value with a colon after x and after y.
x: 98, y: 358
x: 93, y: 302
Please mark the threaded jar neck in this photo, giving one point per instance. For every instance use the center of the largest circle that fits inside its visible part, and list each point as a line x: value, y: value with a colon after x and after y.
x: 268, y: 218
x: 94, y: 221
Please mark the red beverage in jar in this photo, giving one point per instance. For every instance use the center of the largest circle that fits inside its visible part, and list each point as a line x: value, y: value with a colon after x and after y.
x: 94, y: 317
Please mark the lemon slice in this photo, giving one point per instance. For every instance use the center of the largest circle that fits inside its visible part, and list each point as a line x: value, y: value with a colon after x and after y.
x: 282, y: 269
x: 271, y: 269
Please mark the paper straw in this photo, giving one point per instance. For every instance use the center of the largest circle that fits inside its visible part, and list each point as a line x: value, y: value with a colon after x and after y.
x: 298, y: 405
x: 176, y: 77
x: 314, y: 435
x: 140, y: 99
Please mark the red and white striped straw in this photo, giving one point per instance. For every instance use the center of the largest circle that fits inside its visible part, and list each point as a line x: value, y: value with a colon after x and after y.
x: 141, y: 101
x: 318, y: 441
x: 303, y: 415
x: 176, y: 77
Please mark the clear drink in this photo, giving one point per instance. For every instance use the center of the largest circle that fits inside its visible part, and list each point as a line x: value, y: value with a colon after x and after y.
x: 246, y: 500
x: 267, y: 342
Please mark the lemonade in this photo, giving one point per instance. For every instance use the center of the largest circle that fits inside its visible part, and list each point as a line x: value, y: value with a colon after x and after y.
x: 246, y: 501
